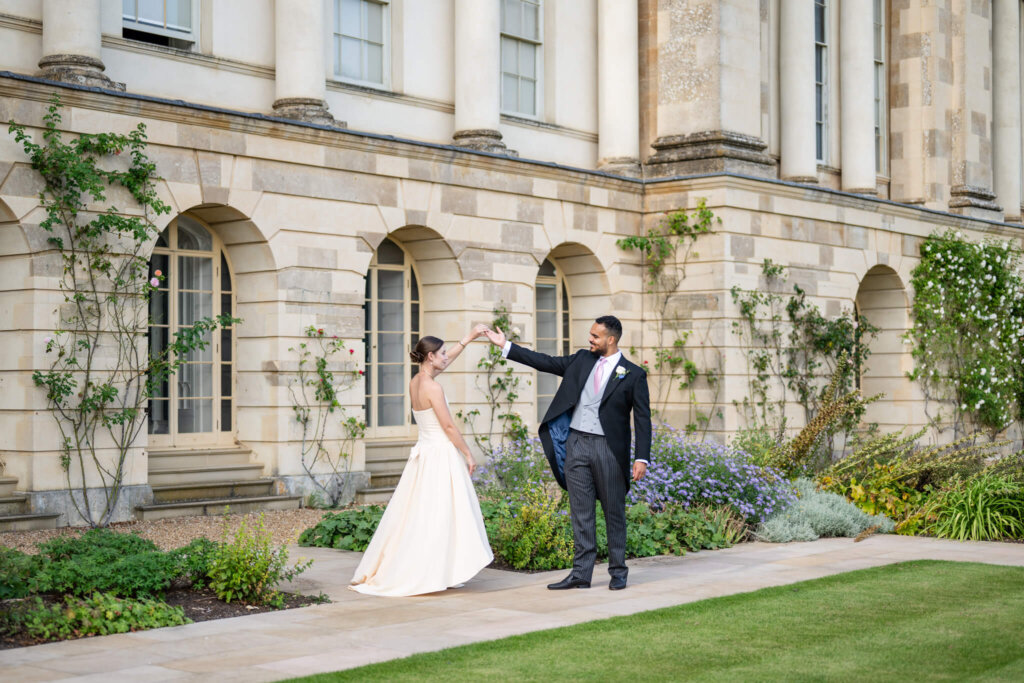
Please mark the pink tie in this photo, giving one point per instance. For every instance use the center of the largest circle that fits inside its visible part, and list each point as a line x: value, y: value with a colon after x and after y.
x: 598, y: 374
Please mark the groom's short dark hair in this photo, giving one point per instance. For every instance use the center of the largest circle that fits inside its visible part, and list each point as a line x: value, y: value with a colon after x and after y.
x: 612, y: 324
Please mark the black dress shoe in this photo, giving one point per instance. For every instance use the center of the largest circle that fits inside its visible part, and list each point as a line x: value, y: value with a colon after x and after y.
x: 568, y: 582
x: 617, y: 583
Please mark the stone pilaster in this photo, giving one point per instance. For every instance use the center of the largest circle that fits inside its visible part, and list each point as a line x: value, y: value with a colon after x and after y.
x: 71, y: 44
x: 798, y: 158
x: 477, y: 76
x: 709, y: 89
x: 1006, y: 105
x: 300, y: 81
x: 618, y: 87
x: 857, y: 111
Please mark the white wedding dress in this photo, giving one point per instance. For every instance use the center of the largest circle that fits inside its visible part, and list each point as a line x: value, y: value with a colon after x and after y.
x: 432, y: 535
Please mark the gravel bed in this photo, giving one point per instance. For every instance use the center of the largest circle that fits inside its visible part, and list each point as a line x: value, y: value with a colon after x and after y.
x: 284, y: 526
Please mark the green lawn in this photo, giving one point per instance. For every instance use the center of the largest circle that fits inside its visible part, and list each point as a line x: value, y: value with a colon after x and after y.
x: 911, y: 621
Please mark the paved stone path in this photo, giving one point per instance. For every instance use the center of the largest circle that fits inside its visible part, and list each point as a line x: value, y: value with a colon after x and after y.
x: 357, y: 629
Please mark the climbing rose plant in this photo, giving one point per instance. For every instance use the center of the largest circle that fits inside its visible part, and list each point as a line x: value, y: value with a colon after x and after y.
x: 968, y: 325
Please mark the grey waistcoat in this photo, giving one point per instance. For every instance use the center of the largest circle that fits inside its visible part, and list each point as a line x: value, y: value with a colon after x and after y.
x: 585, y: 416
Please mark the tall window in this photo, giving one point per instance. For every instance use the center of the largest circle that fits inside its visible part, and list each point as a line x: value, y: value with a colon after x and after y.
x: 392, y: 315
x: 552, y: 310
x: 520, y: 52
x: 360, y: 39
x: 820, y: 78
x: 164, y: 22
x: 196, y: 405
x: 880, y: 88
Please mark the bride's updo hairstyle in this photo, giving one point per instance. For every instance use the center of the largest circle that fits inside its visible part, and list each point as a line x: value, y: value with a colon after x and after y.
x: 424, y: 347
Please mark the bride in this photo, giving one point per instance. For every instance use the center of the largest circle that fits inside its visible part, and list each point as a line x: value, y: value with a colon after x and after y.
x: 432, y: 535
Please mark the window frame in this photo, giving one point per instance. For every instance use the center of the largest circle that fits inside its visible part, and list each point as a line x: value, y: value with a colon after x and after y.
x: 538, y: 64
x: 881, y: 82
x: 191, y: 37
x: 563, y: 324
x: 335, y: 51
x: 821, y: 87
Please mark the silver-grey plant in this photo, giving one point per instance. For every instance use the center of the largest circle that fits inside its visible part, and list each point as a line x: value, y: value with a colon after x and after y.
x: 817, y: 514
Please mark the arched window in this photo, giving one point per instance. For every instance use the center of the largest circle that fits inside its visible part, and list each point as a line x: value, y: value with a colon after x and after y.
x: 197, y: 405
x: 392, y: 321
x: 552, y: 315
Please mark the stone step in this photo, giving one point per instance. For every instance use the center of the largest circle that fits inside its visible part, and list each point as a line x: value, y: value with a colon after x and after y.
x: 205, y: 457
x: 374, y: 495
x: 173, y: 476
x: 7, y: 485
x: 217, y: 506
x: 216, y: 489
x: 16, y: 504
x: 28, y: 522
x: 388, y: 450
x: 386, y: 465
x: 379, y: 481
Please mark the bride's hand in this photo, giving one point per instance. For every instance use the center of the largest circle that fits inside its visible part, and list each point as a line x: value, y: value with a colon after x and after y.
x: 471, y: 464
x: 479, y: 330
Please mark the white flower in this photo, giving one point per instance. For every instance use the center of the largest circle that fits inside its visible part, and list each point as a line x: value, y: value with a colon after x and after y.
x: 516, y: 331
x: 620, y: 372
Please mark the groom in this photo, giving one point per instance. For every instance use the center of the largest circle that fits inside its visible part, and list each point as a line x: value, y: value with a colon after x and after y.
x: 586, y: 438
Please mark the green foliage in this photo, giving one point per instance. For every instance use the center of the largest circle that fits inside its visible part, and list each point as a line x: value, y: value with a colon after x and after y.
x: 18, y: 573
x: 98, y: 614
x: 193, y: 561
x: 501, y: 387
x: 533, y: 532
x: 101, y: 560
x: 675, y: 529
x: 988, y: 508
x: 666, y: 270
x: 757, y: 442
x: 818, y: 514
x: 248, y: 568
x: 100, y: 379
x: 346, y: 530
x: 790, y: 348
x: 968, y: 323
x: 314, y: 392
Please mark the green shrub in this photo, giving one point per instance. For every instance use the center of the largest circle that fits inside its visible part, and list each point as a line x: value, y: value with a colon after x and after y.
x: 818, y: 514
x: 96, y: 615
x: 757, y: 442
x: 676, y: 529
x: 193, y: 561
x: 534, y: 533
x: 347, y: 530
x: 248, y: 568
x: 985, y: 509
x: 19, y: 573
x: 104, y: 561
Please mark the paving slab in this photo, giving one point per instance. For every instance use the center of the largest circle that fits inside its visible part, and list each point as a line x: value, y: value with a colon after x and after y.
x: 358, y: 629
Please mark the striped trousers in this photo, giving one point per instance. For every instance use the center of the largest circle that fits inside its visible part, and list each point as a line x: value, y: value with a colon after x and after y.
x: 592, y: 474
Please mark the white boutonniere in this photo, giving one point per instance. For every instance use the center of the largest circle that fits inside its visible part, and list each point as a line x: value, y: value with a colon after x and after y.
x: 621, y: 372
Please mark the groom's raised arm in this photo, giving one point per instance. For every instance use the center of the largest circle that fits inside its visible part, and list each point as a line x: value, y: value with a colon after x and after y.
x: 556, y: 365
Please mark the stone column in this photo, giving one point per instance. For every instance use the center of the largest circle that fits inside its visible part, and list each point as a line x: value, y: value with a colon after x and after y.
x: 1006, y: 142
x: 477, y: 75
x: 709, y: 89
x: 300, y: 81
x: 798, y: 160
x: 71, y: 44
x: 618, y: 86
x: 857, y: 104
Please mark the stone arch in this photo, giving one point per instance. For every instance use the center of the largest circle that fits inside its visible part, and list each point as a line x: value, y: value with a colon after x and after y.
x: 882, y: 301
x: 442, y: 287
x: 587, y: 283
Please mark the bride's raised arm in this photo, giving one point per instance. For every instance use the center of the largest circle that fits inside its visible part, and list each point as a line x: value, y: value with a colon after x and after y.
x: 458, y: 347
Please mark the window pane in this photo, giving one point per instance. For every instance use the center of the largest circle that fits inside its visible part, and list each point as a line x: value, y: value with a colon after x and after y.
x: 128, y: 8
x: 389, y: 253
x: 225, y: 274
x: 508, y: 55
x: 546, y: 298
x: 389, y: 316
x: 547, y: 383
x: 819, y: 21
x: 348, y: 16
x: 527, y: 58
x: 415, y: 318
x: 193, y: 306
x: 195, y: 379
x: 351, y: 59
x: 509, y: 93
x: 374, y: 22
x: 200, y: 354
x: 192, y: 235
x: 530, y: 21
x: 225, y: 416
x: 547, y: 328
x: 159, y: 262
x: 527, y: 94
x: 162, y: 239
x: 547, y: 269
x: 195, y: 416
x: 374, y: 63
x: 391, y: 379
x: 225, y: 304
x: 392, y: 409
x: 511, y: 17
x: 158, y: 307
x: 195, y: 272
x: 159, y: 423
x: 157, y: 340
x: 543, y: 403
x: 390, y: 284
x: 151, y: 12
x: 225, y: 345
x: 414, y: 294
x: 548, y: 346
x: 225, y: 379
x: 391, y: 348
x: 179, y: 15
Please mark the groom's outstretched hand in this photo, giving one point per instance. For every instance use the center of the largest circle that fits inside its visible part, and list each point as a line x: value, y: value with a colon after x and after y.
x: 496, y: 336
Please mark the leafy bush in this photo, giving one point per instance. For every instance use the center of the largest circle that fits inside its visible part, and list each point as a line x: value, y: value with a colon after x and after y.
x: 347, y: 530
x: 96, y: 615
x: 533, y: 533
x: 105, y: 561
x: 757, y: 442
x: 248, y: 568
x: 514, y: 466
x: 193, y: 561
x: 674, y: 529
x: 986, y: 509
x: 18, y: 573
x: 690, y: 473
x: 818, y: 514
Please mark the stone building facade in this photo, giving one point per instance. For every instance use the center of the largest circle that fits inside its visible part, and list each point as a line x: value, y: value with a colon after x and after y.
x: 388, y: 168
